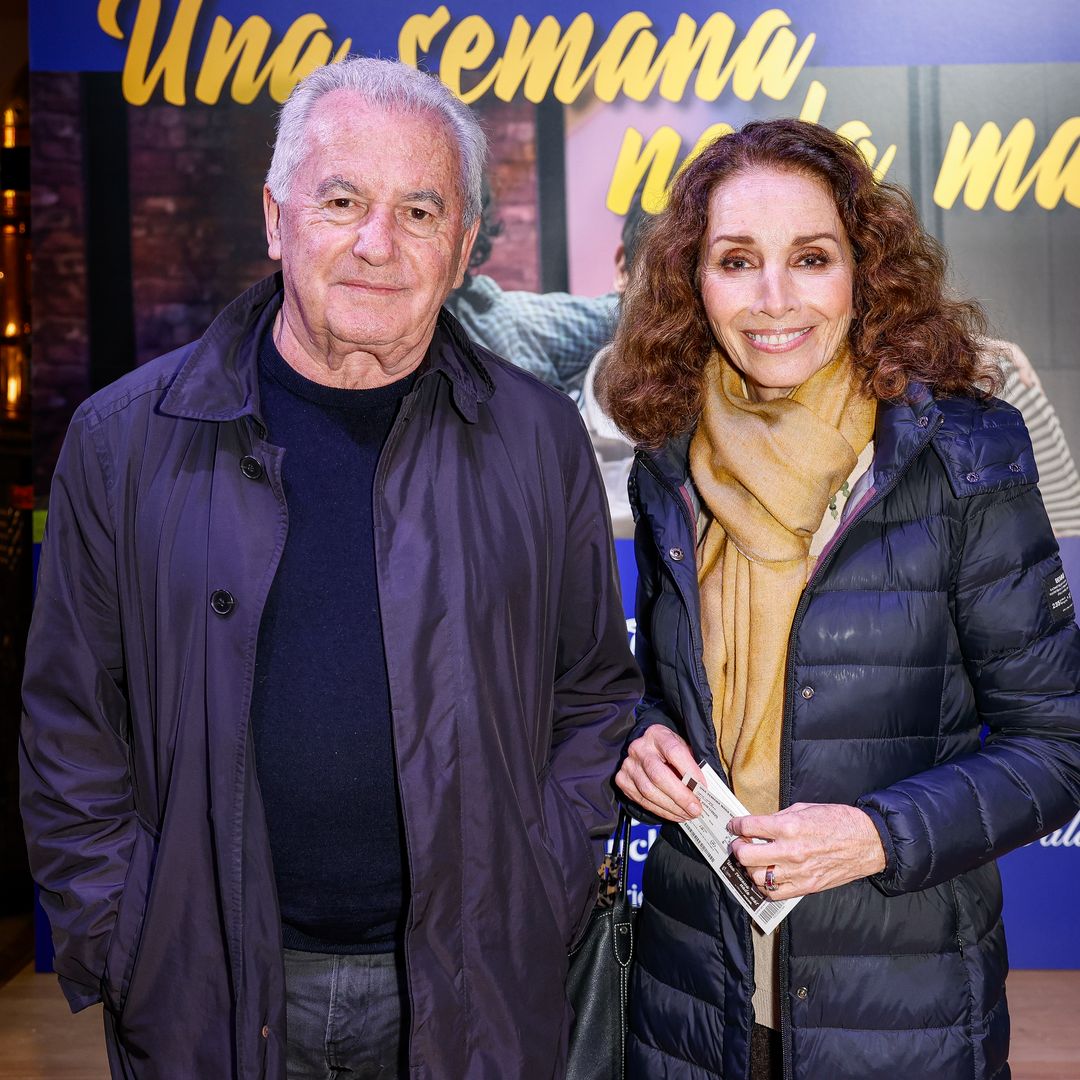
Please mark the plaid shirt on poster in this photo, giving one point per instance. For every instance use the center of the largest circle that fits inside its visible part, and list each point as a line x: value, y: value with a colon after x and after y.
x: 552, y: 335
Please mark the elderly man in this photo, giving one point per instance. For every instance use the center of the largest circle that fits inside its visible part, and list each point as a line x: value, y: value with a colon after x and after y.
x: 328, y: 671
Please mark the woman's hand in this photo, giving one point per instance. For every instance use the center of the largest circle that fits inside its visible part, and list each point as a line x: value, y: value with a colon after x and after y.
x: 812, y: 847
x: 651, y: 774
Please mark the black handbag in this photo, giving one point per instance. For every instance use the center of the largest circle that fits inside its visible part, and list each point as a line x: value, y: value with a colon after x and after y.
x: 599, y: 977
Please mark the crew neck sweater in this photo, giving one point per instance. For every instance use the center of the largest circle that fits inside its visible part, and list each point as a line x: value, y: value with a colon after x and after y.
x: 320, y: 713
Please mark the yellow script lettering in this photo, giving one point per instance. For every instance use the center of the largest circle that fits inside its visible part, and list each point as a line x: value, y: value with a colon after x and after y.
x: 859, y: 133
x: 139, y: 79
x: 761, y: 61
x: 989, y: 163
x: 650, y: 165
x: 470, y: 44
x: 304, y: 47
x: 977, y: 166
x: 629, y: 61
x: 534, y: 60
x: 653, y: 161
x: 418, y: 32
x: 286, y: 66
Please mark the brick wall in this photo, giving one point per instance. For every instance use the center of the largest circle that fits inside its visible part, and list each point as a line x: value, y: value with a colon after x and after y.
x: 59, y: 353
x: 515, y: 256
x: 197, y: 237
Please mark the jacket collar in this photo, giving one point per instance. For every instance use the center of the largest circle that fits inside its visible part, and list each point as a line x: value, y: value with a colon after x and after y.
x: 672, y: 460
x: 454, y: 355
x: 219, y: 380
x: 903, y: 428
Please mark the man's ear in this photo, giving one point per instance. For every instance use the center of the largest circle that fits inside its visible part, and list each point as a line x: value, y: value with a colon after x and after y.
x: 272, y: 216
x: 466, y: 250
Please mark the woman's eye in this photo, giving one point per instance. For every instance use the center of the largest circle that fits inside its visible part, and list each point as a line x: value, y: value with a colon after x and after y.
x: 816, y: 258
x: 734, y: 262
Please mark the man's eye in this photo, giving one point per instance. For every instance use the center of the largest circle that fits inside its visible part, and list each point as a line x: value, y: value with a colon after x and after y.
x: 418, y: 213
x: 341, y: 204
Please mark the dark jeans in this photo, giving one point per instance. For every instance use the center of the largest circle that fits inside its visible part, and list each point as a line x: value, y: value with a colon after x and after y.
x: 344, y: 1016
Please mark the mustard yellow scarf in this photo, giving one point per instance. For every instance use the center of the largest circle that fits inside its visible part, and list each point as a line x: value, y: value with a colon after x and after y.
x: 765, y: 471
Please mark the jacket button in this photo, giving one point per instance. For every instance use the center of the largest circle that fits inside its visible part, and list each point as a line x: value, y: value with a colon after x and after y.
x: 801, y: 993
x: 1014, y: 467
x: 676, y: 554
x: 222, y: 601
x: 922, y: 421
x: 266, y: 1031
x: 972, y: 477
x: 808, y: 692
x: 251, y: 467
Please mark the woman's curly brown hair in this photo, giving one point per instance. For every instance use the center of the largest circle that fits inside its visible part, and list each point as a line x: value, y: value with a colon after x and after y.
x: 905, y: 327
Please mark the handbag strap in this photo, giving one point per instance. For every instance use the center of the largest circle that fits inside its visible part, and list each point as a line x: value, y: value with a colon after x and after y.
x: 620, y: 850
x: 622, y: 922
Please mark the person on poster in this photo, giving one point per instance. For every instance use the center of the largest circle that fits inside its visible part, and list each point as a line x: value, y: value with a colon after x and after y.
x: 845, y: 572
x: 554, y: 335
x: 328, y: 672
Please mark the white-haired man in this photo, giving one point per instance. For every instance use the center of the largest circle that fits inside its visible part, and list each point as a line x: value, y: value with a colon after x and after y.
x: 328, y: 672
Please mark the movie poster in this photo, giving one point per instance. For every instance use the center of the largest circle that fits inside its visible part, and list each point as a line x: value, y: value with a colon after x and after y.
x: 153, y: 121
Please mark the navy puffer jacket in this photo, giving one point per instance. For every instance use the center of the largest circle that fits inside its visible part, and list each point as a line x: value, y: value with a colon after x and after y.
x: 942, y: 608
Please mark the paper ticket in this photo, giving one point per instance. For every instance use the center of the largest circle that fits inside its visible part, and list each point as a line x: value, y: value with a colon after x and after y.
x: 710, y: 834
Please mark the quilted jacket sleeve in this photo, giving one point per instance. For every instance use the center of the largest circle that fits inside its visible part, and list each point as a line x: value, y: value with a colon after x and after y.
x: 75, y: 787
x: 1021, y: 649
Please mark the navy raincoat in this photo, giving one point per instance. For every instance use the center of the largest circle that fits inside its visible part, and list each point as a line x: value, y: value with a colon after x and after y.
x: 511, y: 682
x: 941, y: 608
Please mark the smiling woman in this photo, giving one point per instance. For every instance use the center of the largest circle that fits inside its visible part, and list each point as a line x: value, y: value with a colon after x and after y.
x: 779, y: 302
x: 875, y: 582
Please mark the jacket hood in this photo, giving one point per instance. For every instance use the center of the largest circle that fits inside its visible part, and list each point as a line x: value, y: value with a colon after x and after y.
x: 219, y: 379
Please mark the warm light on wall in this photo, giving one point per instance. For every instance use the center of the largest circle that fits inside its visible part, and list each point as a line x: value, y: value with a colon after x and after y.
x: 14, y: 270
x: 14, y: 379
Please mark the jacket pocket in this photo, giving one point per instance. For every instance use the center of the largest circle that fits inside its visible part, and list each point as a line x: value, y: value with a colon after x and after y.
x: 130, y: 916
x: 572, y: 857
x: 975, y: 1019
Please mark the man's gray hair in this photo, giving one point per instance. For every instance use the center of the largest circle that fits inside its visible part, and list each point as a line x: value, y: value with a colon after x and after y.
x: 388, y: 84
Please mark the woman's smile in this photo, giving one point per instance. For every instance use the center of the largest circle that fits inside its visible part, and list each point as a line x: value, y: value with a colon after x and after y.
x: 775, y: 341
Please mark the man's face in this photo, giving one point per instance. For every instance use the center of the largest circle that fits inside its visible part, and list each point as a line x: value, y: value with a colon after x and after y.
x: 370, y: 237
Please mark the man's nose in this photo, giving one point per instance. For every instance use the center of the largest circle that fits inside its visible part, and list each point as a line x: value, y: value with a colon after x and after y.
x: 375, y: 236
x: 777, y: 295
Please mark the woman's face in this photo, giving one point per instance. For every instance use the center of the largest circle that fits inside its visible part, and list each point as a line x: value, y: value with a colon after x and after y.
x: 776, y: 278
